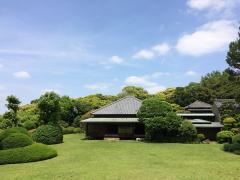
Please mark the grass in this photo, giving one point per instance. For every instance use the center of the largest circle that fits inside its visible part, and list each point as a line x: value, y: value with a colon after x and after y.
x: 88, y: 159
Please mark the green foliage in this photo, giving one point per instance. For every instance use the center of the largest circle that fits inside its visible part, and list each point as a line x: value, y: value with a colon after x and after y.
x: 32, y: 153
x: 163, y: 128
x: 49, y: 108
x: 71, y: 130
x: 167, y: 94
x: 236, y: 139
x: 9, y: 131
x: 138, y: 92
x: 229, y: 109
x: 68, y: 111
x: 187, y: 132
x: 233, y: 55
x: 13, y: 106
x: 28, y: 112
x: 29, y: 125
x: 48, y: 134
x: 224, y: 136
x: 201, y: 137
x: 235, y: 131
x: 153, y: 107
x: 5, y: 123
x: 231, y: 147
x: 16, y: 140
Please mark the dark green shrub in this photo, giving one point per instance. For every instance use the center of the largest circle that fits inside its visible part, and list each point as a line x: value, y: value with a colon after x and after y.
x: 237, y: 152
x: 231, y: 147
x: 236, y: 139
x: 48, y: 134
x: 15, y: 140
x: 32, y: 153
x: 5, y: 133
x: 163, y: 129
x: 201, y: 137
x: 187, y: 132
x: 29, y: 125
x: 224, y: 136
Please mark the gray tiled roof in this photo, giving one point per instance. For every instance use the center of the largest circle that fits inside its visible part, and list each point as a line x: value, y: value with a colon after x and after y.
x: 126, y: 105
x: 198, y: 104
x: 110, y: 120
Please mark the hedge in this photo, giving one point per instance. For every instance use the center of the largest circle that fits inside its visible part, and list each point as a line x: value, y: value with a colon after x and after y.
x: 48, y: 134
x: 224, y: 136
x: 71, y: 130
x: 16, y: 140
x: 5, y: 133
x: 32, y: 153
x: 29, y: 125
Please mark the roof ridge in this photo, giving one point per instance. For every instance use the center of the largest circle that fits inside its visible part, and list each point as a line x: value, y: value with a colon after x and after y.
x: 114, y: 102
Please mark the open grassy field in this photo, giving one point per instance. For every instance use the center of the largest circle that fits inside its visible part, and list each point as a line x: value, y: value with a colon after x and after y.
x: 85, y: 159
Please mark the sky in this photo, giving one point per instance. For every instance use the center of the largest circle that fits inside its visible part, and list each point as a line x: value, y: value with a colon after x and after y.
x: 81, y: 47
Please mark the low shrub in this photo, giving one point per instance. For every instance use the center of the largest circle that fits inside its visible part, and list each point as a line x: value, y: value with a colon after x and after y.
x: 5, y: 133
x: 231, y: 147
x: 15, y: 140
x: 237, y: 152
x: 201, y: 137
x: 235, y: 131
x: 236, y: 139
x: 68, y: 130
x: 187, y: 132
x: 48, y: 134
x: 77, y: 130
x: 224, y: 136
x: 229, y: 123
x: 29, y: 125
x: 32, y: 153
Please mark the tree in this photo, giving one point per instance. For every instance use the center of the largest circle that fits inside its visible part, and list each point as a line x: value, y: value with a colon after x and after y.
x: 13, y: 106
x: 68, y: 111
x: 153, y: 107
x: 49, y: 108
x: 233, y: 55
x: 138, y: 92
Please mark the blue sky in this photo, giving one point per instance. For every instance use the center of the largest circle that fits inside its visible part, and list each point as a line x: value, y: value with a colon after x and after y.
x: 80, y: 47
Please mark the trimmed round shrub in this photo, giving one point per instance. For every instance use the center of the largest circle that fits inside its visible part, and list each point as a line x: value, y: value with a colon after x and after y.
x: 229, y: 123
x: 48, y: 134
x: 236, y: 139
x: 224, y: 136
x: 231, y: 147
x: 5, y: 133
x: 16, y: 140
x: 235, y: 131
x: 187, y: 132
x: 29, y: 125
x: 32, y: 153
x: 201, y: 137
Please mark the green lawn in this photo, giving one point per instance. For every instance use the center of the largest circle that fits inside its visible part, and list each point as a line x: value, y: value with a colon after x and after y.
x: 88, y: 159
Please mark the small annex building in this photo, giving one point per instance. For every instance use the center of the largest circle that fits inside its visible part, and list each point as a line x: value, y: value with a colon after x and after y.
x: 119, y: 119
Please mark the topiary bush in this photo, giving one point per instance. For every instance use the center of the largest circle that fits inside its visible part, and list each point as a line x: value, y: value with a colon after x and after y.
x: 229, y: 123
x: 68, y: 130
x: 224, y: 136
x: 29, y: 125
x: 231, y: 147
x: 5, y: 133
x: 236, y: 139
x: 16, y: 140
x: 32, y: 153
x: 187, y: 132
x: 48, y: 134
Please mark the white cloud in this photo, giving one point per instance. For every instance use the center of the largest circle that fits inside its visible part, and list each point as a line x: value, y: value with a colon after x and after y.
x: 116, y: 59
x: 191, y: 73
x: 159, y: 74
x: 144, y: 54
x: 157, y: 50
x: 216, y: 5
x: 211, y: 37
x: 98, y: 86
x: 145, y: 82
x: 22, y: 74
x: 161, y: 49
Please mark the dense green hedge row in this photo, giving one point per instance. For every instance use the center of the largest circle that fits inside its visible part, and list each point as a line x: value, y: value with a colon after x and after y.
x: 15, y: 140
x: 32, y: 153
x: 9, y: 131
x: 71, y: 130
